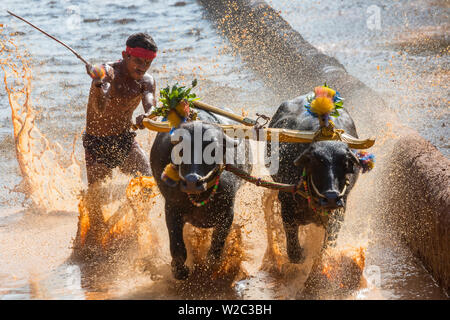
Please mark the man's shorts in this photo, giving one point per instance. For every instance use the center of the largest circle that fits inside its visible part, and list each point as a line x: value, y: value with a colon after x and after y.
x: 109, y: 150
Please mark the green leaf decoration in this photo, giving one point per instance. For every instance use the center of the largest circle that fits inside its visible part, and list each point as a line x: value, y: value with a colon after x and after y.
x: 170, y: 97
x: 335, y: 114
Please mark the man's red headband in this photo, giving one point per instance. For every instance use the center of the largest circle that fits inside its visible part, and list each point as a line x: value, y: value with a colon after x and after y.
x: 141, y: 53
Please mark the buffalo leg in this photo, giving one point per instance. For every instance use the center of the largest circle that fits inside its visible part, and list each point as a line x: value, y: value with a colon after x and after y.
x: 288, y: 208
x: 294, y: 250
x: 175, y: 226
x: 219, y: 237
x: 333, y: 228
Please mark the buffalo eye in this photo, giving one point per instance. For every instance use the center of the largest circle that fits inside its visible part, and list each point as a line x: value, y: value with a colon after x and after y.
x: 351, y: 162
x: 303, y: 159
x: 349, y: 166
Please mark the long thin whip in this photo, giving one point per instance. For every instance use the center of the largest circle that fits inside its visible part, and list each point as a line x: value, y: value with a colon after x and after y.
x: 50, y: 36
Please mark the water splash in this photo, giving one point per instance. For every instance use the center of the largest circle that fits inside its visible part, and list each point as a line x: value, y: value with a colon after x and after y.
x: 50, y: 179
x: 109, y: 221
x: 331, y: 273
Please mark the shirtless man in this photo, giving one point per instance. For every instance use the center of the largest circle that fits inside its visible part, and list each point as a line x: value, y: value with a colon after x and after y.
x: 108, y: 140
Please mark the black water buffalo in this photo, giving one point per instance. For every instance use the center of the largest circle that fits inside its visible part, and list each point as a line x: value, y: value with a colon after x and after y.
x: 331, y: 170
x: 218, y: 213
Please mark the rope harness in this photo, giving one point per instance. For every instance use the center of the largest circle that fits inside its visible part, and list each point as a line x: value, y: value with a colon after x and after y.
x: 324, y: 216
x: 283, y: 187
x: 214, y: 183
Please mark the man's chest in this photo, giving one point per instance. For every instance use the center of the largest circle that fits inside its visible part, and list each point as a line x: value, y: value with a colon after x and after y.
x: 125, y: 95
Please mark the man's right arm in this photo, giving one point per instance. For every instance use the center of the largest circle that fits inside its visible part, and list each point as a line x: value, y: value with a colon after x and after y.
x: 100, y: 87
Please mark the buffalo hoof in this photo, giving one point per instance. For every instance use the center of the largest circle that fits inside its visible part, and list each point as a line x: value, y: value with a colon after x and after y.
x: 296, y: 255
x: 213, y: 261
x: 180, y: 272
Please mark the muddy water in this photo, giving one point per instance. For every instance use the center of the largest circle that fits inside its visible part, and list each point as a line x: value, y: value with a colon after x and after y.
x: 35, y: 241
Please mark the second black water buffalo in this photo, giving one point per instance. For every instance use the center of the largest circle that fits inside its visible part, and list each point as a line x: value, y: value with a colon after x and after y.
x: 331, y: 170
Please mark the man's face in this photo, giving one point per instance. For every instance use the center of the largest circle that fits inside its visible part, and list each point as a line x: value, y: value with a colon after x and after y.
x: 136, y: 66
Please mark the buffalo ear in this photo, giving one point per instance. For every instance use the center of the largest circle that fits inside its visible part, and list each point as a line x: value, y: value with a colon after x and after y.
x: 229, y: 142
x: 303, y: 159
x: 352, y: 162
x: 176, y: 138
x: 176, y: 141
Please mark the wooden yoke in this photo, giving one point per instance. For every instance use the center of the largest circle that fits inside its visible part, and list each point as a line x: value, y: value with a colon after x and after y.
x: 284, y: 135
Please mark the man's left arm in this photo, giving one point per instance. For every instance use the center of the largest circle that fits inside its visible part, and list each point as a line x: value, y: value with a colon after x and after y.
x: 148, y: 99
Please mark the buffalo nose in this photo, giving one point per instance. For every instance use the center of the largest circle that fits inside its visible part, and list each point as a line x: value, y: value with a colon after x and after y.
x: 332, y: 200
x: 331, y: 195
x: 192, y: 179
x: 193, y: 184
